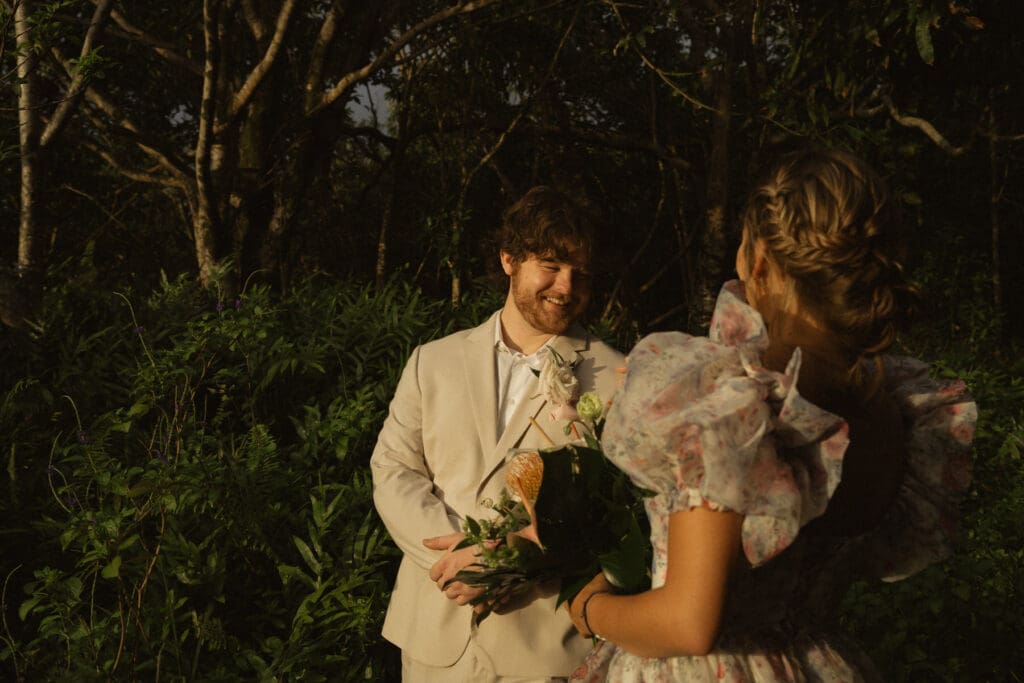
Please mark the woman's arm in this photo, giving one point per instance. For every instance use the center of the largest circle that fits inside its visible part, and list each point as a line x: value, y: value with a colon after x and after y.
x: 683, y: 616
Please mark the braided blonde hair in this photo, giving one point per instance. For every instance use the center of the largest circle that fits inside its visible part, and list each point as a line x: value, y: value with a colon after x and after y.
x: 827, y: 220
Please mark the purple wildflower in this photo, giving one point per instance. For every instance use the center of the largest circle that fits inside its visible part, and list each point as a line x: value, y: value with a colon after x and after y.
x: 219, y: 307
x: 138, y: 329
x: 238, y: 302
x: 83, y: 436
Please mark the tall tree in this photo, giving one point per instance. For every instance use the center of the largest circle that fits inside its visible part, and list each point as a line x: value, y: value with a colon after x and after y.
x: 40, y: 123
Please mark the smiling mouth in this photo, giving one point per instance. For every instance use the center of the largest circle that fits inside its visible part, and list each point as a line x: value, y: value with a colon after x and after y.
x: 556, y: 301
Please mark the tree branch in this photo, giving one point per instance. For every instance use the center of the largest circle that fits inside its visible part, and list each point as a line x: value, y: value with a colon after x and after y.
x: 122, y: 169
x: 160, y: 47
x: 60, y: 115
x: 256, y: 76
x: 614, y: 141
x: 353, y: 77
x: 925, y: 127
x: 661, y: 73
x: 98, y: 100
x: 254, y: 20
x: 318, y: 55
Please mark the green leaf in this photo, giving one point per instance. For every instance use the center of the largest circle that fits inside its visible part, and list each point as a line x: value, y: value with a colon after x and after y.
x: 307, y: 555
x: 140, y: 408
x: 28, y: 605
x: 923, y: 34
x: 113, y: 568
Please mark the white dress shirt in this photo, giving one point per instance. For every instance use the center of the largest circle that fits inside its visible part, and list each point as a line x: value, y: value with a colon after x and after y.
x: 514, y: 372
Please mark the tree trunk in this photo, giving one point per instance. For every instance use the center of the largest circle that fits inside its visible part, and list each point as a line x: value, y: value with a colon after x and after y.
x: 26, y: 290
x: 713, y: 244
x: 205, y: 219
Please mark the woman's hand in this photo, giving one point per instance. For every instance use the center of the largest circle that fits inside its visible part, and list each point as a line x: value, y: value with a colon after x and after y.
x: 575, y: 607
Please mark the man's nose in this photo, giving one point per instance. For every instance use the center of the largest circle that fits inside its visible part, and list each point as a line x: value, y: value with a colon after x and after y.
x: 563, y: 280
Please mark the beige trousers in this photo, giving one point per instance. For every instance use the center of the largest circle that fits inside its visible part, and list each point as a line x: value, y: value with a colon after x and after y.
x: 473, y: 667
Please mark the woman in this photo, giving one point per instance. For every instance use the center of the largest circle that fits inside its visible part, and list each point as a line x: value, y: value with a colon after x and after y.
x: 743, y: 437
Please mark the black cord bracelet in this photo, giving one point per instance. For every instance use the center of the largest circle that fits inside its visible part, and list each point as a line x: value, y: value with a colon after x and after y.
x: 583, y: 613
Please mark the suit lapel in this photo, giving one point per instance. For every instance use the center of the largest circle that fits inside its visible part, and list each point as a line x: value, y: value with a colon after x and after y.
x: 481, y: 382
x: 568, y: 347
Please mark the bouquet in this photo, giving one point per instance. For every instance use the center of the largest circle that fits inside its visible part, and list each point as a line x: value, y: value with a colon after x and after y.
x: 566, y: 514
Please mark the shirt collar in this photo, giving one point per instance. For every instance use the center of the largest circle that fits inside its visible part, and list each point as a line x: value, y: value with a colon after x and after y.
x: 501, y: 347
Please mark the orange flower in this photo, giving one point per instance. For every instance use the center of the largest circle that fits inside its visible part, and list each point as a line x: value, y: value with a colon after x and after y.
x: 523, y: 478
x: 525, y: 472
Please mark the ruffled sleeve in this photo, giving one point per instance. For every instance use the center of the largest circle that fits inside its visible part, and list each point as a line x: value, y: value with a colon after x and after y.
x: 700, y: 423
x: 939, y: 419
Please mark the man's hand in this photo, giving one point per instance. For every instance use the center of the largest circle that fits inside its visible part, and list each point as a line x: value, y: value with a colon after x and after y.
x: 451, y: 564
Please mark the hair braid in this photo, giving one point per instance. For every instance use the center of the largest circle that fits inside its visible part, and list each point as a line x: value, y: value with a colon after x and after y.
x: 827, y: 220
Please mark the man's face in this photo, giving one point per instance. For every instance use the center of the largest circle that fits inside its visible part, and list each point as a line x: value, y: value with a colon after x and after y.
x: 549, y: 293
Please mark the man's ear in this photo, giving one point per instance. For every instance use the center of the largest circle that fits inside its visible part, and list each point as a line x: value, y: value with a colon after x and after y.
x: 507, y: 262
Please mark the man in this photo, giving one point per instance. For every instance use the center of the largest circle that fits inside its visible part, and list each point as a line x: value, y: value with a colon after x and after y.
x: 461, y: 404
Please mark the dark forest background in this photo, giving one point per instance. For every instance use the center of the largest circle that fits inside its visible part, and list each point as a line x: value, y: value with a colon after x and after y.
x: 228, y: 223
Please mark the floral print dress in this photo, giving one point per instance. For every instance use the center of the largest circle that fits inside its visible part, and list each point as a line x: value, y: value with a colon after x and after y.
x: 700, y: 422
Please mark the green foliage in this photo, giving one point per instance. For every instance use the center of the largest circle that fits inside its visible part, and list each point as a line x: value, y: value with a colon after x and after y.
x: 186, y: 491
x: 189, y: 493
x: 587, y: 517
x: 960, y: 620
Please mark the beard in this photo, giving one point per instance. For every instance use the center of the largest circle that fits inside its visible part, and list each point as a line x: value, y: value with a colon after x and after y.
x: 544, y: 316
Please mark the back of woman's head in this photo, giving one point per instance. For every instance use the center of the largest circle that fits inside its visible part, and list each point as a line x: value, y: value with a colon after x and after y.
x: 827, y: 220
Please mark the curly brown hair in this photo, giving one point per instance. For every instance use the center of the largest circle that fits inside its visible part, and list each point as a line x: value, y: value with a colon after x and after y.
x: 548, y: 222
x: 828, y: 221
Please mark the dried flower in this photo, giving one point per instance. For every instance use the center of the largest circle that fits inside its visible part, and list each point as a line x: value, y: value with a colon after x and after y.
x: 525, y: 472
x: 523, y: 478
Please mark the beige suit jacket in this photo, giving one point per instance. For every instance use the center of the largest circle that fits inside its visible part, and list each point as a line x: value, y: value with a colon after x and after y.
x: 438, y: 458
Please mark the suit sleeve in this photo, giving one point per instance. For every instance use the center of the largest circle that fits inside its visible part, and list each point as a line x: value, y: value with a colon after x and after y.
x: 403, y: 490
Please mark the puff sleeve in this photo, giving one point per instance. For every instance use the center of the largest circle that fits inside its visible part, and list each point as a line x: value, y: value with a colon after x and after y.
x: 939, y: 419
x: 700, y: 423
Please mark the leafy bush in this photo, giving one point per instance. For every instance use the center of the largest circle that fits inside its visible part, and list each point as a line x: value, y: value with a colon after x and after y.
x: 961, y: 620
x: 189, y: 487
x: 187, y: 491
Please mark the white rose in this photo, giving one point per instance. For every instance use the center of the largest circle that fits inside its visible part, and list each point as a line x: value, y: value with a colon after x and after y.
x: 557, y: 383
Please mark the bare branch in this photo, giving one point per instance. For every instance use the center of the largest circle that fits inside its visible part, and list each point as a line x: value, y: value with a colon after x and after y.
x: 370, y: 132
x: 102, y: 103
x: 1004, y: 138
x: 353, y: 77
x: 256, y: 76
x: 661, y: 73
x: 254, y: 20
x: 614, y: 141
x: 161, y: 47
x: 318, y: 55
x: 123, y: 169
x: 925, y: 127
x: 60, y: 115
x: 521, y: 113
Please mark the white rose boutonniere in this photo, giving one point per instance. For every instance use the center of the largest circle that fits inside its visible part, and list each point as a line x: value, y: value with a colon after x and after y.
x: 559, y: 386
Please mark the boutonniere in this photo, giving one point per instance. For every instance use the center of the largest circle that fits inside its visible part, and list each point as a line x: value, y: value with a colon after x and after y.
x: 561, y: 388
x: 558, y: 385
